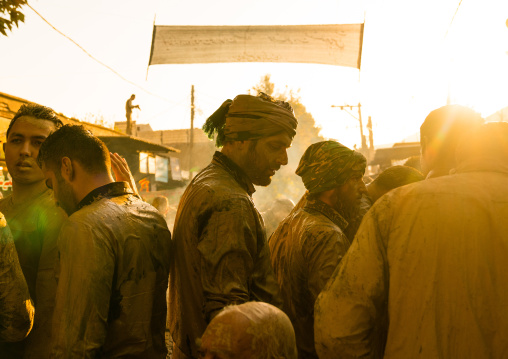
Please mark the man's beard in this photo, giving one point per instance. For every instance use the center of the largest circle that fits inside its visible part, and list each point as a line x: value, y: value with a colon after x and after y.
x: 65, y: 198
x: 253, y: 167
x: 347, y: 209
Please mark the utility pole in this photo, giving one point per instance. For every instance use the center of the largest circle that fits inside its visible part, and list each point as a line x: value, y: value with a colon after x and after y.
x: 371, y: 134
x: 364, y: 148
x: 191, y: 144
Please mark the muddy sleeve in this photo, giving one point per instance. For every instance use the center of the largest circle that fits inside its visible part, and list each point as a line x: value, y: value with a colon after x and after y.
x: 16, y: 307
x: 322, y: 258
x: 86, y: 269
x: 350, y: 312
x: 227, y: 247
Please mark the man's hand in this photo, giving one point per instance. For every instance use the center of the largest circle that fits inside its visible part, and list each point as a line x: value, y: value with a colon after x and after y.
x: 122, y: 172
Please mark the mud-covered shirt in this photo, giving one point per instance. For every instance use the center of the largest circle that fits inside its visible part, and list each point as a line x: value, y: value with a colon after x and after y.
x: 35, y: 225
x: 112, y: 281
x: 305, y: 250
x: 221, y: 255
x: 16, y: 308
x: 432, y: 257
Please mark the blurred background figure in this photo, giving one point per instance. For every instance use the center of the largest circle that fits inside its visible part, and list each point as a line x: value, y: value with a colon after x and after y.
x: 253, y: 330
x: 161, y: 203
x: 128, y: 113
x: 279, y: 210
x: 415, y: 162
x: 391, y: 178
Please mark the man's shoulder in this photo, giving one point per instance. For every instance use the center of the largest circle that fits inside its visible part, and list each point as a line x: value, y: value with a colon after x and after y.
x: 215, y: 181
x: 310, y: 223
x: 42, y: 207
x: 109, y: 211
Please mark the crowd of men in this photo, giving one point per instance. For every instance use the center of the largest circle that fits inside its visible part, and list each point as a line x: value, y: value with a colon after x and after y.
x: 411, y: 265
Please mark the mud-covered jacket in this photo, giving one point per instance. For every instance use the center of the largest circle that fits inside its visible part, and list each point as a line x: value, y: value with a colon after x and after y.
x: 430, y: 259
x: 16, y: 307
x: 35, y: 225
x: 305, y: 250
x: 112, y: 278
x: 221, y: 255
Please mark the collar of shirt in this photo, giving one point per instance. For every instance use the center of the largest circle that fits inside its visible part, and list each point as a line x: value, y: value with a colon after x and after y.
x: 482, y: 164
x: 238, y: 174
x: 328, y: 211
x: 110, y: 190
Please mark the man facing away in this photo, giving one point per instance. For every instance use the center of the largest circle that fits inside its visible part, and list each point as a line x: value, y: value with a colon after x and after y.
x: 34, y: 221
x: 221, y: 256
x: 440, y: 133
x: 253, y: 330
x: 426, y: 273
x: 309, y: 244
x: 114, y: 256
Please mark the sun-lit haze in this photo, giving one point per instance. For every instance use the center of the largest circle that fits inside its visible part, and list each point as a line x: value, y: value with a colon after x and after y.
x: 414, y: 58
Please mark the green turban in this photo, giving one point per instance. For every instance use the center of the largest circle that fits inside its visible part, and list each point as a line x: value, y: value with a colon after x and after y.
x: 250, y: 117
x: 328, y: 164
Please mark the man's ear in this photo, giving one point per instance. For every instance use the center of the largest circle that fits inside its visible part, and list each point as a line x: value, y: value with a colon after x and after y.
x: 424, y: 142
x: 67, y: 169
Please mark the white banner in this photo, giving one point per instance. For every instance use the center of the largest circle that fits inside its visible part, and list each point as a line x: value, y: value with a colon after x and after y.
x: 339, y: 45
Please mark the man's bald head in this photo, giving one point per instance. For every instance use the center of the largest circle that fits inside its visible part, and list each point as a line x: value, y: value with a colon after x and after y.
x: 250, y: 330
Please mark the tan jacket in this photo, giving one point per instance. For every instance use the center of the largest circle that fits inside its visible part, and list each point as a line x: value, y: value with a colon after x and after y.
x: 113, y: 276
x: 221, y: 255
x: 432, y: 257
x: 305, y: 250
x: 16, y: 307
x: 35, y: 226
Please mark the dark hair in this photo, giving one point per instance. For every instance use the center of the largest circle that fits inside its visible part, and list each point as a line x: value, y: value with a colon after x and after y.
x: 397, y: 176
x: 446, y: 126
x: 414, y: 162
x: 79, y: 145
x: 37, y: 111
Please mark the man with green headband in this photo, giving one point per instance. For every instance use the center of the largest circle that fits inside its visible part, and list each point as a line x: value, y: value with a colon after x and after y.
x: 309, y: 244
x: 221, y: 256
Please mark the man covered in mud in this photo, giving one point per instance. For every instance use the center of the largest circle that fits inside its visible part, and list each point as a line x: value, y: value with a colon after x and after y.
x: 34, y: 221
x: 440, y: 134
x: 309, y: 244
x: 253, y: 330
x: 16, y: 307
x: 114, y: 256
x: 221, y: 255
x: 430, y: 259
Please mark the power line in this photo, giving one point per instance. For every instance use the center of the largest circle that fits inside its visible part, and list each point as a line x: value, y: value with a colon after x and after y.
x: 97, y: 60
x: 453, y: 18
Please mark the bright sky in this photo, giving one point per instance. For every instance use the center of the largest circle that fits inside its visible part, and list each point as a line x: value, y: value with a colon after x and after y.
x: 408, y: 62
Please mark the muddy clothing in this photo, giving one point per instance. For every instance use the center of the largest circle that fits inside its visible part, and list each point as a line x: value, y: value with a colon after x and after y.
x: 221, y: 256
x: 113, y: 275
x: 433, y: 256
x: 16, y: 308
x: 35, y: 226
x: 305, y: 250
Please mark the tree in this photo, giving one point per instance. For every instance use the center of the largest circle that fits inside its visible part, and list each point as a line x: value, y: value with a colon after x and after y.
x: 10, y: 14
x: 98, y: 119
x: 286, y: 183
